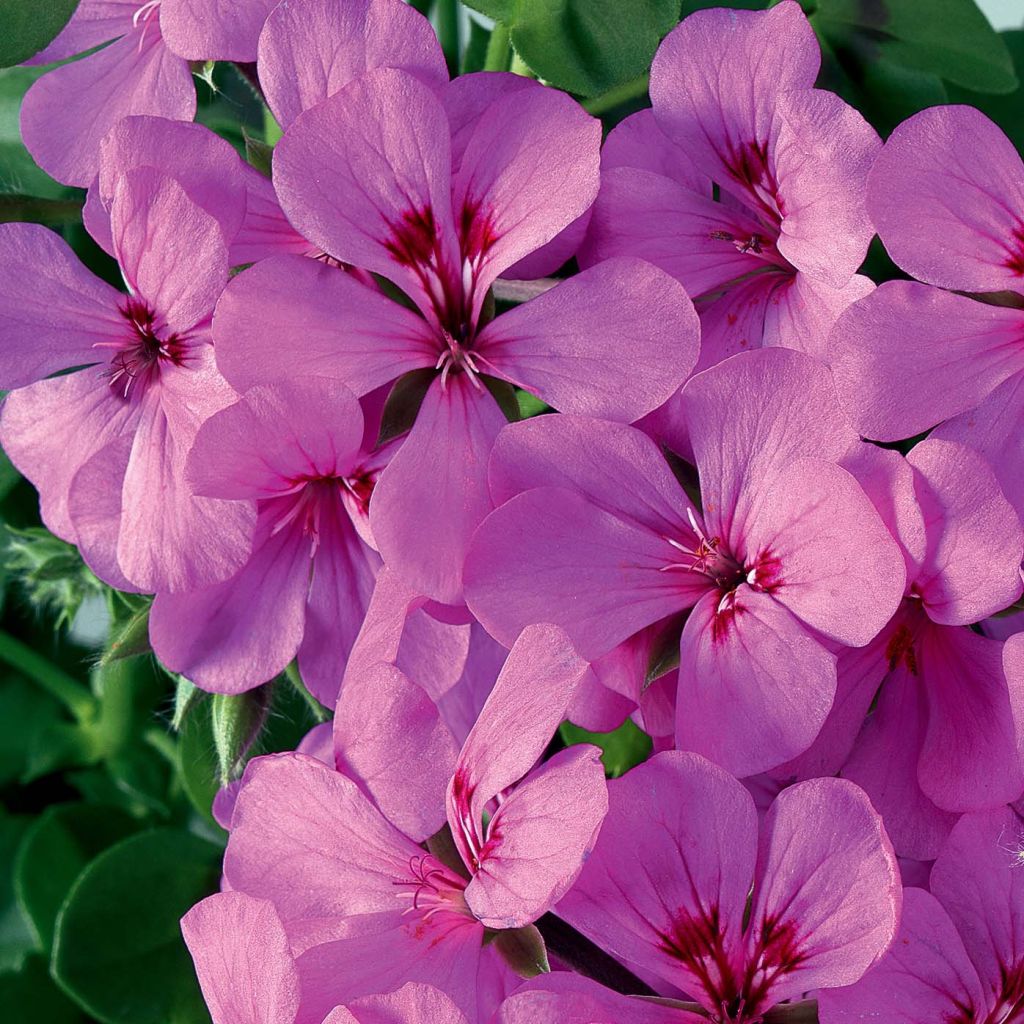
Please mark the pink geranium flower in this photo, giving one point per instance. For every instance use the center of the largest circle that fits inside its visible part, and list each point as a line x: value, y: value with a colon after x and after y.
x: 106, y: 444
x: 594, y: 533
x: 144, y: 70
x: 297, y: 454
x: 958, y: 955
x: 945, y: 733
x: 668, y: 887
x: 947, y: 196
x: 365, y: 908
x: 248, y: 974
x: 774, y: 262
x: 439, y: 193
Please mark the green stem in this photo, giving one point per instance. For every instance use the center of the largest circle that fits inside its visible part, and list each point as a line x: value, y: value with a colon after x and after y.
x: 319, y: 711
x: 448, y: 33
x: 69, y: 691
x: 499, y: 50
x: 39, y: 211
x: 631, y: 90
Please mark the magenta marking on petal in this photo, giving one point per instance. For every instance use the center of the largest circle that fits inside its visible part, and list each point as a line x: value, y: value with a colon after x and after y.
x: 1010, y: 1008
x: 900, y: 650
x: 698, y: 944
x: 1015, y: 260
x: 436, y: 895
x: 778, y: 952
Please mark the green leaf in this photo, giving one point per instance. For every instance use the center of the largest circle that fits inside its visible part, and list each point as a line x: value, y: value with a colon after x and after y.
x: 26, y: 712
x: 29, y: 996
x: 621, y: 749
x: 948, y: 38
x: 53, y: 853
x: 30, y: 26
x: 1006, y: 110
x: 118, y: 951
x: 197, y: 760
x: 16, y: 938
x: 258, y: 153
x: 499, y: 10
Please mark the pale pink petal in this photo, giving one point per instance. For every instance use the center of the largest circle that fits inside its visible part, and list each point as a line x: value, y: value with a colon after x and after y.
x: 738, y: 320
x: 551, y: 555
x: 823, y: 551
x: 748, y: 417
x: 975, y: 544
x: 423, y: 522
x: 666, y: 885
x: 413, y: 1003
x: 754, y: 684
x: 320, y: 856
x: 344, y: 330
x: 67, y: 112
x: 52, y: 310
x: 238, y: 634
x: 310, y: 50
x: 908, y: 356
x: 717, y: 78
x: 94, y: 22
x: 242, y: 958
x: 389, y: 738
x: 460, y: 705
x: 539, y: 839
x: 970, y: 758
x: 576, y: 344
x: 926, y: 977
x: 366, y: 176
x: 824, y: 151
x: 266, y: 231
x: 828, y: 893
x: 213, y: 29
x: 947, y: 197
x: 172, y: 253
x: 50, y: 429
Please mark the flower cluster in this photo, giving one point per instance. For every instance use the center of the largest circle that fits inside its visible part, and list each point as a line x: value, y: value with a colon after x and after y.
x: 301, y: 428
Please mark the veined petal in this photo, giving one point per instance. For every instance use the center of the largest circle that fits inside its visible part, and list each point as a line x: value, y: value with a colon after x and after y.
x: 413, y: 1003
x: 213, y: 29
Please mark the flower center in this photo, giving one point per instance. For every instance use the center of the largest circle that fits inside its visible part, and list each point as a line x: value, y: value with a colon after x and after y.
x: 138, y: 357
x: 431, y: 889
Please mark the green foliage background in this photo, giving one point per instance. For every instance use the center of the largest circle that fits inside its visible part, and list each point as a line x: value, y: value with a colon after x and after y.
x: 109, y: 765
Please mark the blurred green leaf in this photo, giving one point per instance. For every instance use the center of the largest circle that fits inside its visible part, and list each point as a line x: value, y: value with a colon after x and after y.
x: 18, y: 171
x: 16, y: 938
x: 118, y: 949
x: 621, y: 749
x: 30, y: 26
x: 1006, y: 110
x: 55, y: 850
x: 29, y: 996
x: 25, y: 712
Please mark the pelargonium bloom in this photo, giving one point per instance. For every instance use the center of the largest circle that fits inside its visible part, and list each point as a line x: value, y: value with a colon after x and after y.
x: 365, y: 908
x: 297, y: 453
x: 594, y: 532
x: 945, y: 734
x: 958, y: 955
x: 248, y: 974
x: 145, y: 70
x: 439, y: 193
x: 106, y: 444
x: 774, y: 262
x: 947, y: 196
x: 824, y: 906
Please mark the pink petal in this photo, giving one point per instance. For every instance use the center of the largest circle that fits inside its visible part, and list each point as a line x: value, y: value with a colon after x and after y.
x: 717, y: 78
x: 389, y: 738
x: 529, y: 169
x: 50, y: 429
x: 947, y: 194
x: 754, y: 684
x: 975, y: 544
x: 68, y: 111
x: 925, y: 977
x: 742, y: 318
x: 828, y: 556
x: 313, y: 49
x: 266, y: 231
x: 670, y: 899
x: 53, y: 310
x: 238, y: 634
x: 539, y: 839
x: 453, y: 434
x: 242, y: 958
x: 637, y: 141
x: 344, y: 330
x: 908, y: 356
x: 533, y: 691
x: 824, y: 151
x: 551, y: 555
x: 321, y: 854
x: 172, y: 253
x: 213, y: 29
x: 413, y: 1003
x: 828, y: 893
x: 884, y: 763
x: 367, y: 173
x: 568, y: 344
x: 748, y: 417
x: 94, y: 22
x: 970, y: 758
